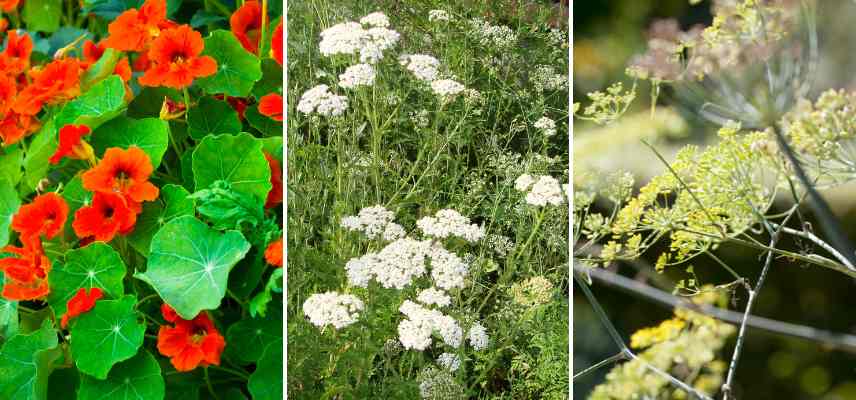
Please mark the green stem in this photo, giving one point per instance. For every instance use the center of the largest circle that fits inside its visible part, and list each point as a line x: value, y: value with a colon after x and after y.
x: 208, y: 383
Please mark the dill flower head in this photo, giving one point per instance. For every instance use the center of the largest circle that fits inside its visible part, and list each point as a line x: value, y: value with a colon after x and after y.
x: 357, y: 75
x: 534, y: 291
x: 320, y: 100
x: 332, y: 308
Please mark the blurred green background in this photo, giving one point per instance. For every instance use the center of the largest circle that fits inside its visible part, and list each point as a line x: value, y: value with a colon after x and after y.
x: 606, y: 35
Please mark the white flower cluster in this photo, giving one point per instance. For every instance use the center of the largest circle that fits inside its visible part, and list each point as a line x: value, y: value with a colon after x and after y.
x: 447, y: 88
x: 351, y: 38
x: 439, y: 384
x: 357, y: 75
x: 546, y: 125
x: 501, y: 245
x: 449, y: 361
x: 320, y: 100
x: 499, y: 36
x: 403, y: 260
x: 432, y: 296
x: 542, y: 190
x: 544, y: 77
x: 448, y: 222
x: 332, y: 308
x: 478, y: 336
x: 373, y: 221
x: 415, y: 332
x: 424, y: 67
x: 438, y: 15
x: 447, y: 269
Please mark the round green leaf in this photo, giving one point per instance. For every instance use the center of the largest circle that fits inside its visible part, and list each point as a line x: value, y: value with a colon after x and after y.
x: 9, y: 204
x: 42, y: 15
x: 173, y: 203
x: 244, y: 165
x: 136, y: 379
x: 249, y: 337
x: 212, y: 117
x: 96, y: 265
x: 266, y: 382
x: 25, y: 364
x: 36, y: 164
x: 109, y: 333
x: 271, y: 81
x: 11, y: 161
x: 101, y: 103
x: 189, y: 264
x: 8, y: 315
x: 237, y: 69
x: 151, y: 135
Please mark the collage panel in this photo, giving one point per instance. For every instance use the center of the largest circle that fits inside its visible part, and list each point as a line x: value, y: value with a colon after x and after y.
x: 713, y: 179
x: 427, y: 187
x: 141, y: 199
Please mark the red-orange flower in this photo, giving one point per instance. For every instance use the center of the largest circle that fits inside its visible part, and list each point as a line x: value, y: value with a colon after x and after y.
x: 124, y: 172
x: 56, y: 82
x: 274, y: 197
x: 270, y: 105
x: 239, y: 104
x: 246, y: 24
x: 134, y: 29
x: 80, y: 303
x: 9, y: 5
x: 276, y: 43
x: 16, y: 58
x: 27, y: 272
x: 108, y: 215
x: 190, y: 344
x: 273, y: 253
x: 72, y: 145
x: 45, y: 215
x: 176, y: 61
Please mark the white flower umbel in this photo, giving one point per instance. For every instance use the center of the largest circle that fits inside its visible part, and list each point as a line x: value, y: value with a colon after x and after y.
x: 544, y: 77
x: 447, y: 88
x: 447, y: 269
x: 376, y: 19
x: 524, y: 182
x: 357, y: 75
x: 320, y: 100
x: 432, y: 296
x: 546, y: 125
x: 415, y: 335
x: 393, y: 232
x: 415, y: 331
x: 424, y: 67
x: 449, y: 361
x: 350, y: 38
x: 372, y: 221
x: 359, y: 271
x: 332, y: 308
x: 448, y: 222
x: 546, y: 190
x: 438, y: 15
x: 379, y: 40
x: 449, y: 330
x: 478, y: 336
x: 498, y: 36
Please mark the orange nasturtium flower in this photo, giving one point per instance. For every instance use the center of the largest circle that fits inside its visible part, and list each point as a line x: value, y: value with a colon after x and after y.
x: 246, y: 24
x: 108, y: 215
x: 56, y: 82
x: 190, y: 344
x: 270, y: 105
x: 45, y: 215
x: 13, y: 126
x: 273, y: 253
x: 274, y: 197
x: 26, y: 272
x: 175, y: 59
x: 9, y: 5
x: 15, y: 59
x: 72, y: 145
x: 80, y: 303
x: 276, y: 43
x: 134, y: 30
x: 124, y: 172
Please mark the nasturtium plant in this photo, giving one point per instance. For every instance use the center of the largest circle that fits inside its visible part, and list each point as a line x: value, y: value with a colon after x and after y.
x: 140, y: 200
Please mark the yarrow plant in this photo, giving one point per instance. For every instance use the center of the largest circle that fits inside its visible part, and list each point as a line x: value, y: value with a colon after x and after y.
x: 404, y: 199
x: 140, y: 259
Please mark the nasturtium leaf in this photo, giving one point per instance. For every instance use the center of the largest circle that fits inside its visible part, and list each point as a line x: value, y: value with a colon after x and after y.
x: 187, y: 170
x: 149, y: 101
x: 9, y: 204
x: 108, y: 334
x: 249, y: 337
x: 271, y: 81
x: 25, y: 364
x: 95, y: 265
x: 259, y: 303
x: 203, y: 17
x: 151, y: 135
x: 42, y: 15
x: 174, y: 202
x: 8, y: 315
x: 237, y: 69
x: 234, y: 394
x: 62, y: 382
x: 101, y: 69
x: 36, y: 164
x: 212, y: 116
x: 101, y: 103
x: 76, y: 197
x: 11, y: 161
x: 273, y: 146
x: 264, y: 124
x: 189, y: 264
x: 266, y: 382
x: 244, y: 165
x: 136, y: 379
